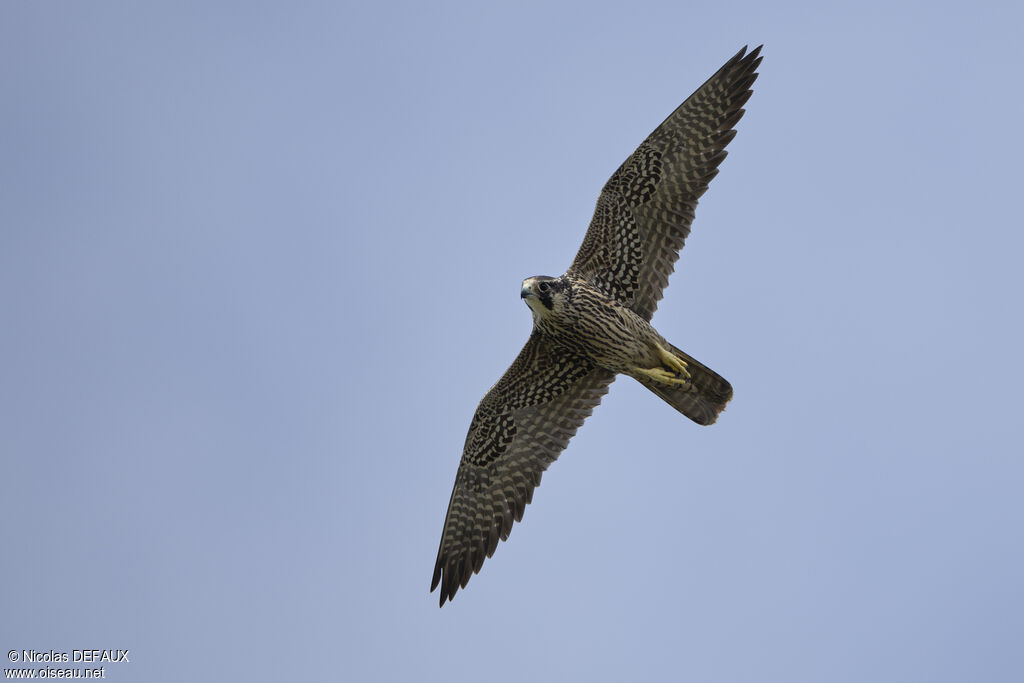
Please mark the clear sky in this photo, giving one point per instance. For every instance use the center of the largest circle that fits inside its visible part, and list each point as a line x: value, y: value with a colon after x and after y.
x: 260, y: 261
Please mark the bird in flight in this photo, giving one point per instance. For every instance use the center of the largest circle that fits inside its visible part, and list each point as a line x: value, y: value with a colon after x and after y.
x: 593, y: 323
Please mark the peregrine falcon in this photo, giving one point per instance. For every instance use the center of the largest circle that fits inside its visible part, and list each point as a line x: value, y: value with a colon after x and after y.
x: 593, y: 323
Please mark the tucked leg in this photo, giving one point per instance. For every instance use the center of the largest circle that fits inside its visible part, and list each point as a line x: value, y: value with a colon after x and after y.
x: 664, y: 376
x: 673, y: 362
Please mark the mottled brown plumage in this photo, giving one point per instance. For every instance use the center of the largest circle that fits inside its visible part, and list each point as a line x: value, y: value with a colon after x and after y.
x: 592, y: 323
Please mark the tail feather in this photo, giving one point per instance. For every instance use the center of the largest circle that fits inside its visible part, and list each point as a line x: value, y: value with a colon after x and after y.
x: 702, y: 399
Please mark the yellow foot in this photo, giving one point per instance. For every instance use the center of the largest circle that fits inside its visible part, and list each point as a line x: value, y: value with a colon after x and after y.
x: 664, y: 376
x: 673, y: 362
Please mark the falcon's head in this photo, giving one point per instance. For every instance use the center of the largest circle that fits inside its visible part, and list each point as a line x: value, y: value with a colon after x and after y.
x: 546, y: 296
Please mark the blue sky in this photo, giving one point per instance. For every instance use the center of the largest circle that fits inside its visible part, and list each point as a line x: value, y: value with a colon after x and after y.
x: 259, y: 262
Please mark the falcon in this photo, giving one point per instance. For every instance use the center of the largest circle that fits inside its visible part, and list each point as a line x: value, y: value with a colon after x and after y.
x: 593, y: 323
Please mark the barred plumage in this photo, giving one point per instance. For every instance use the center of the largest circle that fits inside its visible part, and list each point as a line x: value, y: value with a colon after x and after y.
x: 592, y: 323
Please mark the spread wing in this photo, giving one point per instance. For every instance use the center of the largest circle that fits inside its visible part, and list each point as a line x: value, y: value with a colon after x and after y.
x: 522, y: 424
x: 644, y: 212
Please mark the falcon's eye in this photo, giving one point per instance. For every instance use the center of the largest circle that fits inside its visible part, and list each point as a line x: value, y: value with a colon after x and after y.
x: 544, y: 287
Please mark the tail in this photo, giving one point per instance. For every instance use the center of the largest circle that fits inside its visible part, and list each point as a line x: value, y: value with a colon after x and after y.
x: 703, y: 397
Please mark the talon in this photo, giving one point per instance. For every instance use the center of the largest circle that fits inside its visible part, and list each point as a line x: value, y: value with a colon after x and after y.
x: 678, y: 365
x: 665, y: 376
